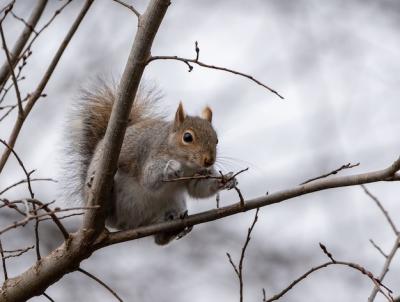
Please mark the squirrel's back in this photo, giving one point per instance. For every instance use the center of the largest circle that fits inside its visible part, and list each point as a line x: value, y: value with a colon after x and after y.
x: 86, y: 125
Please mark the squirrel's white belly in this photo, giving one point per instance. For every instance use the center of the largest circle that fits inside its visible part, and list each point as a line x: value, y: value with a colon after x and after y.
x: 136, y: 206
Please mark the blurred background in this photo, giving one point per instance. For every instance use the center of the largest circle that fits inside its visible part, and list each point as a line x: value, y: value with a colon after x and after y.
x: 337, y: 65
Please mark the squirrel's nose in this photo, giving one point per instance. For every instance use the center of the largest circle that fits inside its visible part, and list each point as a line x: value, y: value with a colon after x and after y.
x: 208, y: 161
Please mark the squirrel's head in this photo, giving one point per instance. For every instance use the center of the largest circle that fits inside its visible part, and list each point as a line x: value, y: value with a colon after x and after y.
x: 195, y: 138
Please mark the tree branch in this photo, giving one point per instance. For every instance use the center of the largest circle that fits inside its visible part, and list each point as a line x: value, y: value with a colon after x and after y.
x: 130, y: 7
x: 326, y: 264
x: 195, y: 61
x: 101, y: 283
x: 383, y: 210
x: 334, y: 172
x: 39, y: 89
x: 239, y: 269
x: 14, y: 79
x: 394, y: 249
x: 113, y: 138
x: 21, y: 42
x: 78, y: 246
x: 318, y: 185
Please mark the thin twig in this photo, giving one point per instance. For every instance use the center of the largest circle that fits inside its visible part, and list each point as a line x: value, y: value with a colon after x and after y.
x: 378, y: 248
x: 239, y: 269
x: 7, y: 8
x: 334, y: 172
x: 28, y: 180
x: 44, y: 216
x: 195, y: 61
x: 24, y: 22
x: 326, y: 264
x: 22, y: 40
x: 101, y: 283
x: 22, y: 181
x: 394, y: 249
x: 14, y: 79
x: 383, y: 210
x: 18, y: 252
x: 207, y: 176
x: 3, y: 260
x: 197, y: 50
x: 39, y: 89
x: 130, y: 7
x: 43, y: 206
x: 377, y: 281
x: 48, y: 297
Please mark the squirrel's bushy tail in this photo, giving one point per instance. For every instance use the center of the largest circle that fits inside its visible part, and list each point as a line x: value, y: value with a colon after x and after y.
x: 86, y: 125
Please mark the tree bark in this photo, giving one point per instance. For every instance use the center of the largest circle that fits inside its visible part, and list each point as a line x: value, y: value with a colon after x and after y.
x: 79, y: 246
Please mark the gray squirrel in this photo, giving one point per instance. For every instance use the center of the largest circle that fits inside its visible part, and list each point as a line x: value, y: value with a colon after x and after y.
x: 153, y: 150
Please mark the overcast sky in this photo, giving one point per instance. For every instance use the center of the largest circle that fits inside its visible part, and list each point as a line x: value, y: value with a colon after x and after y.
x: 337, y: 65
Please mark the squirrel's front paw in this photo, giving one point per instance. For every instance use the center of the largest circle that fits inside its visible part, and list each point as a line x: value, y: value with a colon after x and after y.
x: 227, y: 182
x: 173, y: 169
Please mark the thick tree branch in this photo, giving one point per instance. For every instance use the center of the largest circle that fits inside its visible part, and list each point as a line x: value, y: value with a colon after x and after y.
x: 78, y: 246
x: 148, y: 25
x: 318, y: 185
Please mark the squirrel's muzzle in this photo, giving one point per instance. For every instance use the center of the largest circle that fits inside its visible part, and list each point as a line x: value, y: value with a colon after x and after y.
x: 208, y: 161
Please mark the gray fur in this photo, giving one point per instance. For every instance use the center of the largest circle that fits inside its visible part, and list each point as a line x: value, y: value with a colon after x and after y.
x: 153, y: 151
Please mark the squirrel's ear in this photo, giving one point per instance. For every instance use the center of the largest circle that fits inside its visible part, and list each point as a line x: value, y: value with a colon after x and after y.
x: 179, y: 115
x: 207, y: 114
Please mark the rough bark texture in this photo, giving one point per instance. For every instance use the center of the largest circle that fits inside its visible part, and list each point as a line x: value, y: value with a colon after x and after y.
x: 78, y: 247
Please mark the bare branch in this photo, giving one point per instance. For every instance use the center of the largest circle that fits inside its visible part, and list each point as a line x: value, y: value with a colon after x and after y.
x: 196, y: 61
x: 48, y: 297
x: 113, y: 138
x: 28, y: 180
x: 79, y: 246
x: 378, y: 248
x: 101, y: 283
x: 239, y: 269
x: 318, y: 185
x: 22, y: 40
x: 12, y: 204
x: 334, y: 172
x: 383, y: 210
x: 394, y: 249
x: 351, y: 265
x: 222, y: 177
x: 14, y: 79
x: 44, y: 216
x: 18, y: 252
x: 22, y: 181
x: 39, y: 89
x: 130, y: 7
x: 3, y: 260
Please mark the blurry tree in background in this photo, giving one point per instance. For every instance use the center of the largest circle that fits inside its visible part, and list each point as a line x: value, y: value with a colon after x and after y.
x: 45, y: 226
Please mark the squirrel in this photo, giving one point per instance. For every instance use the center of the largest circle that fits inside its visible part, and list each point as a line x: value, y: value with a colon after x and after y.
x: 154, y: 150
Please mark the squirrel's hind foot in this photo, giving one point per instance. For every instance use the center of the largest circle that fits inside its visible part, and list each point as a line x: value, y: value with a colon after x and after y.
x: 164, y: 238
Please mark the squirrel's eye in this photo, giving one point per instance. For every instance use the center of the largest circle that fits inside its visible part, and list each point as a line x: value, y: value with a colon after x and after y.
x: 187, y: 137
